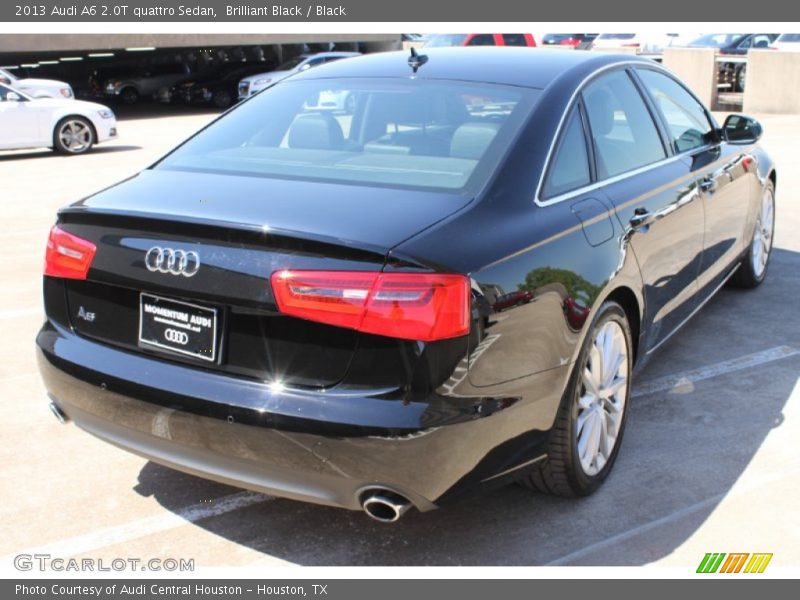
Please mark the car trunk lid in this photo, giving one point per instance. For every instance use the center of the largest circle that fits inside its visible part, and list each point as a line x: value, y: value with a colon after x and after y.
x: 241, y: 230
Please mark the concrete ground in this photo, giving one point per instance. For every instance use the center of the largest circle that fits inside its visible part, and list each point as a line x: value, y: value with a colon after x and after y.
x: 709, y: 462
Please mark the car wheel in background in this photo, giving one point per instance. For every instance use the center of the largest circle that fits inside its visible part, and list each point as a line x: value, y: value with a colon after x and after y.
x: 591, y: 419
x: 753, y: 268
x: 739, y: 79
x: 73, y: 135
x: 129, y: 95
x: 222, y: 99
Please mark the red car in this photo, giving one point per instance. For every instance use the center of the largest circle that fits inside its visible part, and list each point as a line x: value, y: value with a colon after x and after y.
x: 512, y: 299
x: 480, y: 39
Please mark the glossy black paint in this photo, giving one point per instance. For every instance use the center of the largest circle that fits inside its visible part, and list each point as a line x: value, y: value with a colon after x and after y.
x: 318, y: 413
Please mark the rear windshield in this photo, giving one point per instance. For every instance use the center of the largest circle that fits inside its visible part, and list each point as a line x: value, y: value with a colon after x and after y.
x: 404, y: 133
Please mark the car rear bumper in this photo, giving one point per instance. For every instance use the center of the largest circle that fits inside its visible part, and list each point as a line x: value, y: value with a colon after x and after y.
x: 321, y: 447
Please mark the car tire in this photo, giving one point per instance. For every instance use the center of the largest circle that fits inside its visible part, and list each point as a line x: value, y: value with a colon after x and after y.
x: 73, y: 135
x: 755, y: 263
x: 740, y: 78
x: 222, y: 99
x: 584, y: 418
x: 129, y: 95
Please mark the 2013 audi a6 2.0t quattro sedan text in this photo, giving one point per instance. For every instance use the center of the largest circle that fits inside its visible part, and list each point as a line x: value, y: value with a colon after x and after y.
x: 297, y: 300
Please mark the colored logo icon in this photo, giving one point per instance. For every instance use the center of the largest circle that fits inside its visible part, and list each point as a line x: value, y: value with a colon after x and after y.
x: 735, y: 562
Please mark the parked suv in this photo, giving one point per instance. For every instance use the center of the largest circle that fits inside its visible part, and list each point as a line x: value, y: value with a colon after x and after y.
x: 37, y: 88
x: 146, y: 82
x: 480, y: 39
x: 216, y: 86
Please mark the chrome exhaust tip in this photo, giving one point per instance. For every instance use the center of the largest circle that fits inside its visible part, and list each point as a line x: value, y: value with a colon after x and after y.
x: 58, y: 413
x: 384, y: 506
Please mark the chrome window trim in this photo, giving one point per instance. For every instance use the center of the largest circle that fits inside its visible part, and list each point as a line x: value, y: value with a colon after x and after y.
x: 621, y: 176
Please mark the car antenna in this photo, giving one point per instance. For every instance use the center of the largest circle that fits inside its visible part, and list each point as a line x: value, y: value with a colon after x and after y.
x: 415, y: 61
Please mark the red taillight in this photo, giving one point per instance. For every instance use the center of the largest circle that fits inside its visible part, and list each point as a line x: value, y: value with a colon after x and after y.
x: 413, y: 306
x: 67, y: 255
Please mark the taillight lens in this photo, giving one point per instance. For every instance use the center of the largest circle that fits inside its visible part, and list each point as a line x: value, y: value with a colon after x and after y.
x: 413, y: 306
x: 67, y: 255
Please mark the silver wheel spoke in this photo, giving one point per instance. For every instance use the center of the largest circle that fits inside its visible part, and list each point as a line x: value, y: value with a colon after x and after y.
x: 582, y: 419
x: 601, y: 401
x: 762, y: 236
x: 589, y: 383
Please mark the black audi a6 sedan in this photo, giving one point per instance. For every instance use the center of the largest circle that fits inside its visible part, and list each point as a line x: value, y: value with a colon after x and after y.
x: 295, y: 300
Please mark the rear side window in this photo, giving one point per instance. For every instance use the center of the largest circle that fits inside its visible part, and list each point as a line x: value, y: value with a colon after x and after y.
x: 481, y: 39
x: 569, y: 168
x: 686, y: 119
x: 514, y: 39
x: 623, y: 132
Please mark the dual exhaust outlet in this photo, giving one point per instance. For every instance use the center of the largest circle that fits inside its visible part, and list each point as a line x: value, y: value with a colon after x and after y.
x: 384, y: 505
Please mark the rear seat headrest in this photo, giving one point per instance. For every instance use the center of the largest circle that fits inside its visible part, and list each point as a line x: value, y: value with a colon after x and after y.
x: 470, y: 140
x: 316, y: 132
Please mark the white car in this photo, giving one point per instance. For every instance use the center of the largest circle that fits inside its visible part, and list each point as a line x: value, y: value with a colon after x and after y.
x: 255, y: 83
x: 68, y: 126
x: 787, y: 41
x: 38, y: 88
x: 645, y: 43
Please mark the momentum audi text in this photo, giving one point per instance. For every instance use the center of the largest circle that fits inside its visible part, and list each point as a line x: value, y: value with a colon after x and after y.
x: 300, y: 301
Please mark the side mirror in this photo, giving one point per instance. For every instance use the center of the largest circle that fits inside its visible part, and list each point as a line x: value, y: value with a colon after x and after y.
x: 13, y: 97
x: 742, y: 130
x: 305, y: 66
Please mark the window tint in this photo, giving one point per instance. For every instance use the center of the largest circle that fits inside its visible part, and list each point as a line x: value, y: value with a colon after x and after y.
x: 514, y: 39
x: 482, y: 39
x: 686, y: 118
x: 624, y: 134
x: 569, y: 168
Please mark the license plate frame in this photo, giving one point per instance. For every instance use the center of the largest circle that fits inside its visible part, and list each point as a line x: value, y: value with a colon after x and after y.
x: 190, y: 333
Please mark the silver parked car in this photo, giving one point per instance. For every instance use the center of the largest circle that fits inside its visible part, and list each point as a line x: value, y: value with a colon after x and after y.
x: 145, y: 83
x: 37, y: 88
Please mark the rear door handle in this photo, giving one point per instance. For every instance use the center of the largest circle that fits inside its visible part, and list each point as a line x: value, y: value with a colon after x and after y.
x: 641, y: 218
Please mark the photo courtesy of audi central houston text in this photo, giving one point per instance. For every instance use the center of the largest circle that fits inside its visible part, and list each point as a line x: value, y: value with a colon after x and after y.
x: 397, y: 280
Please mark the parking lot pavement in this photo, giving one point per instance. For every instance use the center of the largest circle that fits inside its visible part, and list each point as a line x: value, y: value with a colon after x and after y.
x: 709, y: 462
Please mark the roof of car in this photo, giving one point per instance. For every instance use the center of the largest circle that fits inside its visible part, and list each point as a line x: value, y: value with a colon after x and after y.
x: 529, y: 67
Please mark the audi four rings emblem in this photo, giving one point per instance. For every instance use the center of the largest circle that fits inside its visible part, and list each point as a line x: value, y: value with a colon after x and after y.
x: 174, y: 262
x: 176, y: 337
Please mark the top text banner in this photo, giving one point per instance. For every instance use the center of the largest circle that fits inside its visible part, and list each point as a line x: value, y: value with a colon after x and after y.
x: 405, y: 11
